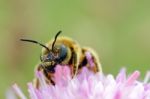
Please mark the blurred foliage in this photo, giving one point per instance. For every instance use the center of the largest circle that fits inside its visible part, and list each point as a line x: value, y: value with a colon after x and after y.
x: 117, y: 29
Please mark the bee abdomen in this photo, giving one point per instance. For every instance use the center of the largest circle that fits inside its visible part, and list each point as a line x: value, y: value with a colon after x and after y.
x: 89, y: 60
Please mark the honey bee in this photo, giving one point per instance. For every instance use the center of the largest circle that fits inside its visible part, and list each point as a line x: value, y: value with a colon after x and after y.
x: 64, y: 51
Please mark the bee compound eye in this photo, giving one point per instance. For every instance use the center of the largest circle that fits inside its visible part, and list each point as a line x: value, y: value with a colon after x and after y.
x: 62, y: 53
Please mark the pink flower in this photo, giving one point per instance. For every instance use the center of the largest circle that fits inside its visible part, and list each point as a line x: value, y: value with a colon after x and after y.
x: 88, y: 85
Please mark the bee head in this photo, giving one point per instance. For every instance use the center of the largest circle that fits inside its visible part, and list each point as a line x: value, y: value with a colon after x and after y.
x: 55, y: 55
x: 51, y: 59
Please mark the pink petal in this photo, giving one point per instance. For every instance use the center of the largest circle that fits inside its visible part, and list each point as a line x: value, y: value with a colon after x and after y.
x: 132, y: 78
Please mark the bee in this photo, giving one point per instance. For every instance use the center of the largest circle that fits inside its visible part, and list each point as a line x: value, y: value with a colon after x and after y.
x: 64, y: 51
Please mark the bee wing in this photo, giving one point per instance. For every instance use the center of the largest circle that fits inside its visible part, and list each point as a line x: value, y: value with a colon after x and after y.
x: 97, y: 64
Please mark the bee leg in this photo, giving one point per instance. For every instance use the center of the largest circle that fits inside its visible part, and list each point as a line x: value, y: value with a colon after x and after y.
x: 75, y: 63
x: 36, y: 80
x: 36, y: 83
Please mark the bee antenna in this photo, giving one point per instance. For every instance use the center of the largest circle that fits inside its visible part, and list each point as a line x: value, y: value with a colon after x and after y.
x: 55, y: 40
x: 36, y: 42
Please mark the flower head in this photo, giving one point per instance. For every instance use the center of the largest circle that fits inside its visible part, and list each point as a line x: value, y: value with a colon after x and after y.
x: 88, y: 85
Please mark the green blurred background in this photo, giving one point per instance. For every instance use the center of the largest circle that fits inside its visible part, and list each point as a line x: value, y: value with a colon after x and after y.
x: 119, y: 30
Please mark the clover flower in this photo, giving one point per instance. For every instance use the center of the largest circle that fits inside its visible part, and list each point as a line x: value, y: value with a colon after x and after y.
x: 88, y: 85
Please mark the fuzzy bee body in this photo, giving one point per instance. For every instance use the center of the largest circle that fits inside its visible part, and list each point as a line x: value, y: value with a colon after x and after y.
x: 96, y: 67
x: 65, y: 51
